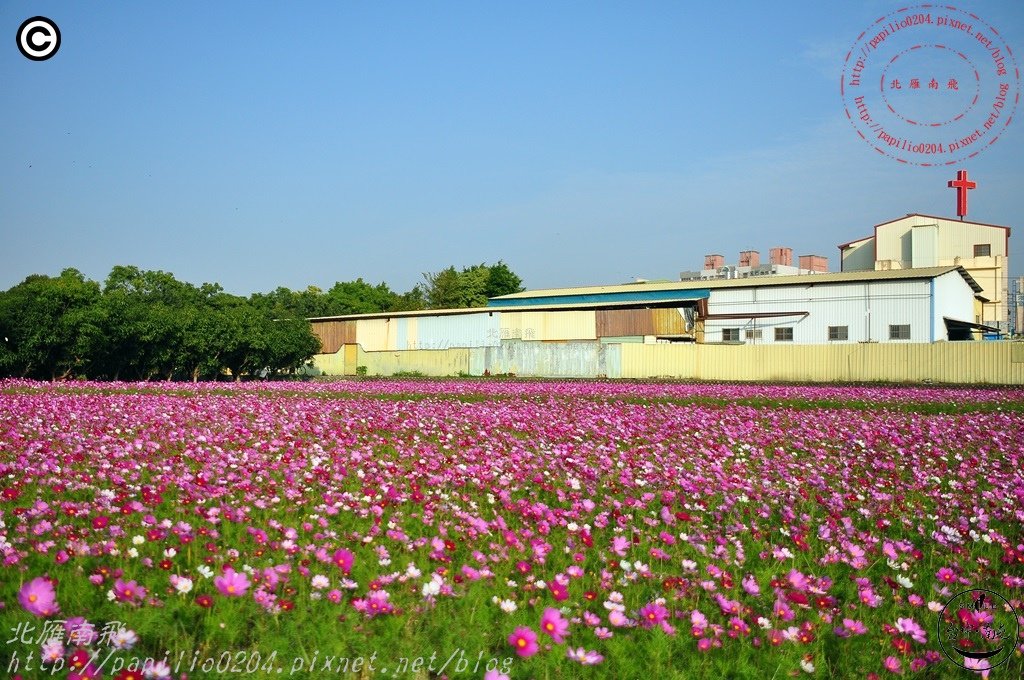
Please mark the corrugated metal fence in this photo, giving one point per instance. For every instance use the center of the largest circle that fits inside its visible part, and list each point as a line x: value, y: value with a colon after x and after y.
x: 944, y: 362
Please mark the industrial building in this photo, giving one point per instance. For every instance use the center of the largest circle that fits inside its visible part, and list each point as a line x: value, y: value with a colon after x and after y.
x: 923, y: 241
x: 592, y: 331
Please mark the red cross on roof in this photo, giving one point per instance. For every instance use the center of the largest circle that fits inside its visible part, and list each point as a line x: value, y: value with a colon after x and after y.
x: 962, y: 186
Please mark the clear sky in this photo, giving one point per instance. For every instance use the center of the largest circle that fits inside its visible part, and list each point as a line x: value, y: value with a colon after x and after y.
x: 265, y: 144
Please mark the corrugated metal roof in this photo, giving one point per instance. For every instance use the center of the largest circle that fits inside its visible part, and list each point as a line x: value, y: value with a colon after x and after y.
x: 655, y: 291
x: 756, y: 282
x: 667, y: 299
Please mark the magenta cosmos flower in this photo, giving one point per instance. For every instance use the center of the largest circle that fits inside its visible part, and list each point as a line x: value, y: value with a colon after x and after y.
x: 554, y: 624
x: 232, y: 583
x: 524, y: 641
x: 38, y: 597
x: 129, y: 591
x: 344, y: 559
x: 652, y: 614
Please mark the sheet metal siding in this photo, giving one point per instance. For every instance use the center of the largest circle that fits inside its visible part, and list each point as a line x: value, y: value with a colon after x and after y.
x: 464, y: 330
x: 560, y: 325
x: 548, y: 359
x: 953, y: 298
x: 406, y: 333
x: 436, y: 363
x: 867, y: 309
x: 333, y: 334
x: 668, y: 322
x: 624, y: 322
x: 940, y: 362
x: 377, y: 335
x: 925, y: 246
x: 628, y: 322
x: 859, y: 257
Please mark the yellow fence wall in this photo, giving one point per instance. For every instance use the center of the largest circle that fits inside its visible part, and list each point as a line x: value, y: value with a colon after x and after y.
x: 943, y: 362
x: 954, y: 362
x: 433, y: 362
x: 342, y: 362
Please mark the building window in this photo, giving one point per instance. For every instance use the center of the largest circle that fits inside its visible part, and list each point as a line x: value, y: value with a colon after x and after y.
x: 752, y: 334
x: 838, y: 332
x: 982, y: 250
x: 899, y: 331
x: 730, y: 334
x: 783, y: 335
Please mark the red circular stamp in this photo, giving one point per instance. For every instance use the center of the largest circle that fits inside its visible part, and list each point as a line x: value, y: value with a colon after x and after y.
x: 930, y: 85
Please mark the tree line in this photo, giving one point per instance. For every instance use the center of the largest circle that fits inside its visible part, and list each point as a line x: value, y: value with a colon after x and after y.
x: 145, y: 325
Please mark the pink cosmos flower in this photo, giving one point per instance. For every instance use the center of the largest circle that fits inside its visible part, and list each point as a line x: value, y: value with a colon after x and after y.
x: 620, y: 544
x: 584, y: 657
x: 558, y: 591
x: 232, y: 583
x: 704, y: 644
x: 38, y: 597
x: 855, y: 627
x: 524, y: 641
x: 494, y: 674
x: 554, y: 624
x: 978, y: 666
x: 652, y: 614
x: 129, y: 591
x: 750, y: 586
x: 911, y: 628
x: 893, y: 665
x: 797, y: 580
x: 946, y: 575
x: 868, y: 596
x: 602, y: 633
x: 617, y: 619
x: 52, y: 650
x: 783, y: 611
x: 344, y: 558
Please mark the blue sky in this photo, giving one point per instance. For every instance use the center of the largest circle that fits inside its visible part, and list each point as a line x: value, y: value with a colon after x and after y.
x: 296, y: 144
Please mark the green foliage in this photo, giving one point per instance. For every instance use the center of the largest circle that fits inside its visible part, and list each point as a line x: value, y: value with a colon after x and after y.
x: 361, y: 371
x: 145, y: 325
x: 471, y: 287
x: 49, y: 325
x: 142, y: 325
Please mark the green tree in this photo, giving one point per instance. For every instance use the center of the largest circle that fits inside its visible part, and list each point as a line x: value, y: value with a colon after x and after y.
x: 470, y: 287
x: 49, y: 325
x: 503, y: 281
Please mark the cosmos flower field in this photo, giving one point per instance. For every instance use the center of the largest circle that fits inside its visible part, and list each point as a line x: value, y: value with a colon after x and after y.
x: 412, y: 528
